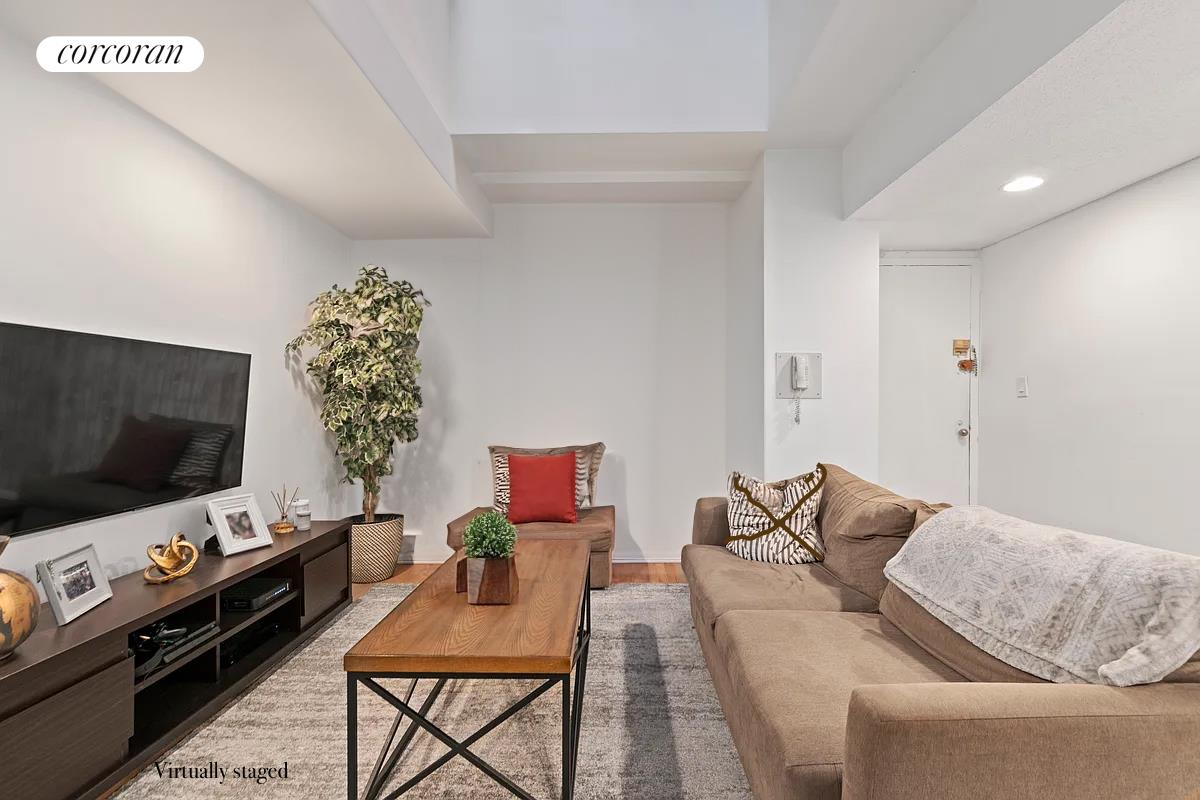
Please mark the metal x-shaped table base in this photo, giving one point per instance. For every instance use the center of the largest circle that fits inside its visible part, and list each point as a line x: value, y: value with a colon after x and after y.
x: 385, y: 764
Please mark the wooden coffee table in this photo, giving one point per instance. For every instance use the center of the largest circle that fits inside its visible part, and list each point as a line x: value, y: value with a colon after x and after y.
x: 435, y: 634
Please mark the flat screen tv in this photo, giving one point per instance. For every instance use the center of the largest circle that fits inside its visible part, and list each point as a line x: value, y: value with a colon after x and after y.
x: 96, y: 425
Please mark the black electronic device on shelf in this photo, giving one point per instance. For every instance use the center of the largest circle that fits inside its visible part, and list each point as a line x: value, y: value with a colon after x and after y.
x: 161, y: 644
x: 254, y: 593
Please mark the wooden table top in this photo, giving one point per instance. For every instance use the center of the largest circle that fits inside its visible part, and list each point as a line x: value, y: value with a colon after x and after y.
x: 435, y: 630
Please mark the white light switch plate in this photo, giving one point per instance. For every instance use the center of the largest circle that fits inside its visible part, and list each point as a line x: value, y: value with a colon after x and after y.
x: 1022, y: 386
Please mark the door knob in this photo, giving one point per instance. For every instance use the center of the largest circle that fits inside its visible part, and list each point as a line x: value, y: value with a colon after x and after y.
x: 964, y: 433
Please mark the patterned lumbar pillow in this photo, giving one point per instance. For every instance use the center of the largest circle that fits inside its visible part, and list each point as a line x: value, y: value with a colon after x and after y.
x: 776, y: 522
x: 587, y: 467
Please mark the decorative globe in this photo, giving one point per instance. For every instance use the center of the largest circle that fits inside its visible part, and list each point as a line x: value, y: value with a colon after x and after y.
x: 19, y: 607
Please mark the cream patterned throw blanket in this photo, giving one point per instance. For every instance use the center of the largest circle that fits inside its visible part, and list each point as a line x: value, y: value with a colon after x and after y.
x: 1065, y: 606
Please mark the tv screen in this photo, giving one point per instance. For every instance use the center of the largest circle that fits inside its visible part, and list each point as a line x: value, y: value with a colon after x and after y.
x: 96, y: 425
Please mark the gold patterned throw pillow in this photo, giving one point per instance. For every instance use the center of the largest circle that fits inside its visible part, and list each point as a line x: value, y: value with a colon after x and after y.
x: 776, y: 522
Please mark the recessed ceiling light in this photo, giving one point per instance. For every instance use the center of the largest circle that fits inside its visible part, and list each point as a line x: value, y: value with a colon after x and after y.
x: 1023, y: 183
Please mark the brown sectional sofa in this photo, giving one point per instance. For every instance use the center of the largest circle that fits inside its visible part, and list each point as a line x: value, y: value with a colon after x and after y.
x: 596, y: 524
x: 827, y: 697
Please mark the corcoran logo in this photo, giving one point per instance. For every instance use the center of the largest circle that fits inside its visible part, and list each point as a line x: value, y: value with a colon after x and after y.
x: 120, y: 54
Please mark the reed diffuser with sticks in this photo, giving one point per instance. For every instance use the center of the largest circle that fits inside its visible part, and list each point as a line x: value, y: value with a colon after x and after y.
x: 283, y: 502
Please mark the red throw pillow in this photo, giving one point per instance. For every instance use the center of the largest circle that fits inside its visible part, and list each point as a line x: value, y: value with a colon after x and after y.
x: 541, y: 488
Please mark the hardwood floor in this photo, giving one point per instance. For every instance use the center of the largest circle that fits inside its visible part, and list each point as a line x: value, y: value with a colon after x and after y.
x: 648, y: 573
x: 412, y: 573
x: 622, y: 573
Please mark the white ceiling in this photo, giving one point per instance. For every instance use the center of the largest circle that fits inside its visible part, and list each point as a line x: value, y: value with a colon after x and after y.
x: 352, y: 133
x: 605, y: 66
x: 313, y: 129
x: 826, y: 85
x: 864, y: 51
x: 1121, y: 103
x: 611, y: 167
x: 615, y: 151
x: 612, y: 186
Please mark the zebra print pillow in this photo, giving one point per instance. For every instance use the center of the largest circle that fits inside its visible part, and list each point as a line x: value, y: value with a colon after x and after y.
x: 501, y: 487
x: 776, y: 522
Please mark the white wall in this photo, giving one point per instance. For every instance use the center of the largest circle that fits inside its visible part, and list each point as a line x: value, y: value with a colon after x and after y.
x: 744, y: 331
x: 621, y: 66
x: 1099, y: 309
x: 821, y: 294
x: 575, y: 323
x: 112, y: 223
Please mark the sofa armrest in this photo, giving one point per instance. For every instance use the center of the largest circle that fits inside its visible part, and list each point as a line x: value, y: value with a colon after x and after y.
x: 455, y: 528
x: 1004, y: 741
x: 710, y: 523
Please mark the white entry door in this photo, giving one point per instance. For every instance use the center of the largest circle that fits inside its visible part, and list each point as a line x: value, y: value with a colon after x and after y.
x: 925, y: 402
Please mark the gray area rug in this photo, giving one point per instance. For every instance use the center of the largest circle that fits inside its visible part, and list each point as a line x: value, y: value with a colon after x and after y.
x: 652, y: 727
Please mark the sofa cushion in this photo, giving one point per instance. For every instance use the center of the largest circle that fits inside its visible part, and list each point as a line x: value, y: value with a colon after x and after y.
x: 720, y: 582
x: 710, y: 521
x: 775, y: 522
x: 944, y: 644
x: 596, y: 525
x: 862, y: 526
x: 1066, y: 606
x: 953, y: 649
x: 925, y: 512
x: 791, y: 674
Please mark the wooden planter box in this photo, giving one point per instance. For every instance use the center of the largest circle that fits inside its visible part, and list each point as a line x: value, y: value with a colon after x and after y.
x: 460, y: 572
x: 491, y: 581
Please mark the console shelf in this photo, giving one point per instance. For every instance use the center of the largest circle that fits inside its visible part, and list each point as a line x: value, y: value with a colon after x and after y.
x: 71, y: 689
x: 234, y: 622
x: 158, y: 675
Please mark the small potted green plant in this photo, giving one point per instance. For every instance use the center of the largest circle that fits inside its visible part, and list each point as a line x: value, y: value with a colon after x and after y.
x: 490, y: 542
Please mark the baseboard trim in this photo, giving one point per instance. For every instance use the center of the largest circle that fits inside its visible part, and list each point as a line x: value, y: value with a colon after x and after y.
x: 645, y: 560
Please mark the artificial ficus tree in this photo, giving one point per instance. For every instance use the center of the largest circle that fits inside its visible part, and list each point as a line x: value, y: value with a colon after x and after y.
x: 366, y: 368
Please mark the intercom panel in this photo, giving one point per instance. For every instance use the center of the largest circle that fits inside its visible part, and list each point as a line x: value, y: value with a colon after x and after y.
x: 797, y: 376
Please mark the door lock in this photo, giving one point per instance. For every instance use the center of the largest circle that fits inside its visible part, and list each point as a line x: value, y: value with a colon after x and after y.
x: 964, y: 433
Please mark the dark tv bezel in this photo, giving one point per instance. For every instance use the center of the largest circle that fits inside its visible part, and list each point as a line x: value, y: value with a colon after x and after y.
x: 162, y: 504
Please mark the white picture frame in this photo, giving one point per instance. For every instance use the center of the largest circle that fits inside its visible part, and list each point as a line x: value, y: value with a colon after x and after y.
x: 238, y: 523
x: 75, y: 583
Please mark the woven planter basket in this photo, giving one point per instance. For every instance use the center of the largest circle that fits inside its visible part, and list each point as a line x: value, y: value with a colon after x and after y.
x: 374, y: 547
